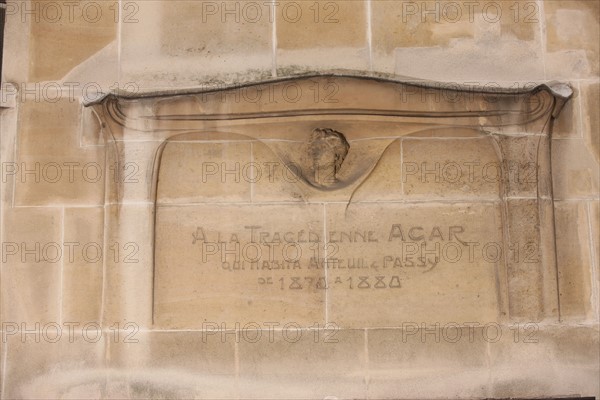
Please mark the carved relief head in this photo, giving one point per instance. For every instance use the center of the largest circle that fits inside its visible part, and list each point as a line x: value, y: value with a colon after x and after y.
x: 328, y: 149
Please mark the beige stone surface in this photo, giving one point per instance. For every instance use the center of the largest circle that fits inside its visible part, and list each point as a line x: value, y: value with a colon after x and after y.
x: 187, y: 43
x: 332, y: 34
x: 321, y: 24
x: 82, y: 273
x: 482, y: 360
x: 572, y: 38
x: 31, y: 265
x: 524, y: 272
x: 206, y: 172
x: 406, y: 29
x: 531, y: 359
x: 273, y: 180
x: 169, y: 318
x: 16, y: 68
x: 65, y: 363
x: 172, y: 364
x: 333, y: 361
x: 205, y: 274
x: 192, y: 29
x: 130, y: 169
x: 430, y: 23
x: 403, y: 361
x: 472, y: 170
x: 594, y: 208
x: 92, y: 131
x: 75, y: 31
x: 53, y: 167
x: 577, y: 174
x: 522, y: 166
x: 386, y: 180
x: 445, y: 40
x: 127, y: 290
x: 574, y: 259
x: 415, y: 266
x: 49, y: 128
x: 591, y: 103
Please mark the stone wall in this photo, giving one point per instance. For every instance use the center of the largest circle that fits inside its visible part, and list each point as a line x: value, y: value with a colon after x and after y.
x: 71, y: 293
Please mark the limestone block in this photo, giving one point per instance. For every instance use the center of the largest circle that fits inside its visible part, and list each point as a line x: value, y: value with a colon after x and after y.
x: 128, y: 264
x: 321, y: 35
x: 52, y: 167
x: 74, y: 30
x: 574, y: 259
x: 333, y: 360
x: 471, y: 170
x: 401, y: 24
x: 531, y: 359
x: 450, y: 41
x: 206, y: 172
x: 402, y: 361
x: 82, y: 274
x: 189, y: 43
x: 595, y: 225
x: 321, y: 24
x: 571, y: 39
x: 575, y: 169
x: 32, y: 258
x: 65, y: 363
x: 591, y: 124
x: 191, y: 364
x: 525, y: 288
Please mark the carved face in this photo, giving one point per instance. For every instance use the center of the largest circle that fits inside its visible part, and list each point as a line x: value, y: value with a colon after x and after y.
x: 328, y: 150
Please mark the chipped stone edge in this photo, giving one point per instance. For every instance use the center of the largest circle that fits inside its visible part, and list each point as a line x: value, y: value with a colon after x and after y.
x: 562, y: 92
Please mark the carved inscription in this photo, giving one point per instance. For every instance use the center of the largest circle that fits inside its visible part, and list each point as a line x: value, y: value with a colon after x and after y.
x: 253, y: 249
x: 296, y: 256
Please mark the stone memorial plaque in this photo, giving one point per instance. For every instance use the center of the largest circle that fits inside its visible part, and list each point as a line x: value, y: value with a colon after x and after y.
x: 358, y: 202
x: 224, y: 254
